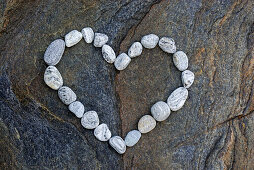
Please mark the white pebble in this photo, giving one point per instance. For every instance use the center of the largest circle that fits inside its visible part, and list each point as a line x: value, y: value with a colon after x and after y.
x: 167, y: 44
x: 132, y: 138
x: 66, y: 95
x: 177, y: 98
x: 146, y: 124
x: 102, y: 132
x: 180, y: 60
x: 77, y: 108
x: 88, y: 34
x: 100, y: 39
x: 187, y: 78
x: 150, y: 41
x: 90, y: 120
x: 135, y: 50
x: 72, y: 38
x: 53, y: 78
x: 160, y: 111
x: 122, y: 61
x: 108, y: 54
x: 54, y: 52
x: 118, y: 144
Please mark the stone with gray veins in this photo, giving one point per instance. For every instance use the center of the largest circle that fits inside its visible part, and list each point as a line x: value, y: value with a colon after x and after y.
x: 66, y: 95
x: 53, y: 78
x: 150, y: 41
x: 135, y: 50
x: 54, y: 52
x: 102, y: 132
x: 187, y: 78
x: 177, y: 98
x: 146, y: 124
x: 180, y: 60
x: 88, y: 34
x: 122, y: 61
x: 100, y: 39
x: 108, y: 53
x: 167, y: 44
x: 160, y: 111
x: 77, y: 108
x: 72, y: 38
x: 90, y: 120
x: 132, y: 138
x: 118, y: 144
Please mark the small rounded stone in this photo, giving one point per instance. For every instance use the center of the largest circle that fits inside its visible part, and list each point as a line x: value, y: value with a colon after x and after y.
x: 150, y: 41
x: 180, y: 60
x: 135, y: 50
x: 122, y: 61
x: 108, y: 53
x: 88, y: 34
x: 66, y: 95
x: 77, y: 108
x: 177, y: 98
x: 53, y: 78
x: 146, y: 124
x: 118, y: 144
x: 72, y: 38
x: 187, y: 78
x: 102, y: 132
x: 90, y: 120
x: 160, y: 111
x: 54, y: 52
x: 132, y: 138
x: 100, y: 39
x: 167, y: 44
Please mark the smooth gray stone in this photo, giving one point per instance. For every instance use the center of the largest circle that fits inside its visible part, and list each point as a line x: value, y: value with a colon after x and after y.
x: 72, y: 38
x: 146, y: 124
x: 102, y: 132
x: 118, y: 144
x: 135, y: 50
x: 66, y: 95
x: 167, y: 44
x: 54, y: 52
x: 90, y: 120
x: 100, y: 39
x: 132, y: 138
x: 77, y: 108
x: 88, y: 34
x: 122, y: 61
x: 177, y: 98
x: 53, y: 78
x: 180, y: 60
x: 187, y: 78
x: 150, y: 41
x: 108, y: 54
x: 160, y: 111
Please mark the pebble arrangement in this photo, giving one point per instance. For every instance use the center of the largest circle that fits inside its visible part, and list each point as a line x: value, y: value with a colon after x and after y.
x: 160, y: 111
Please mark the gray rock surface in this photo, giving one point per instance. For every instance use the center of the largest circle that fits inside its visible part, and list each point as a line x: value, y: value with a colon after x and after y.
x: 54, y: 52
x: 66, y: 95
x: 132, y: 138
x: 53, y: 78
x: 77, y: 108
x: 118, y: 144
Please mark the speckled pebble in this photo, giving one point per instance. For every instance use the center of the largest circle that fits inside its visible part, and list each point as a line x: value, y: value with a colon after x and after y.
x: 88, y: 34
x: 108, y: 53
x: 100, y: 39
x: 180, y: 60
x: 160, y: 111
x: 72, y: 38
x: 187, y: 78
x: 77, y: 108
x: 54, y: 52
x: 118, y: 144
x: 177, y: 98
x: 146, y: 124
x: 122, y: 61
x: 150, y: 41
x: 66, y: 95
x: 102, y: 132
x: 167, y: 44
x: 132, y: 138
x: 90, y: 120
x: 53, y: 78
x: 135, y: 50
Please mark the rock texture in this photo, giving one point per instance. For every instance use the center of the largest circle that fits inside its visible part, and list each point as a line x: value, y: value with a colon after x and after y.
x: 214, y: 129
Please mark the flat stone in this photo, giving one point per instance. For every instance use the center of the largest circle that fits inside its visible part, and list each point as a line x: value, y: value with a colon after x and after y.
x: 102, y: 132
x: 135, y: 50
x: 132, y: 138
x: 72, y: 38
x: 88, y: 34
x: 167, y: 44
x: 90, y: 120
x: 160, y: 111
x: 118, y: 144
x: 187, y: 78
x: 177, y: 98
x: 66, y: 95
x: 150, y: 41
x: 53, y: 78
x: 100, y: 39
x: 146, y: 124
x: 77, y: 108
x: 180, y: 60
x: 122, y: 61
x: 108, y: 53
x: 54, y: 52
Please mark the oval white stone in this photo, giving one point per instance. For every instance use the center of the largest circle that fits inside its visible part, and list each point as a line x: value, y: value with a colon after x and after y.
x: 54, y: 52
x: 132, y: 138
x: 135, y: 50
x: 146, y: 124
x: 108, y: 53
x: 122, y: 61
x: 88, y: 34
x: 187, y: 78
x: 150, y: 41
x: 180, y: 60
x: 66, y: 95
x: 167, y: 44
x: 53, y: 78
x: 160, y: 111
x: 72, y: 38
x: 118, y: 144
x: 77, y: 108
x: 177, y: 98
x: 102, y: 132
x: 90, y: 120
x: 100, y: 39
